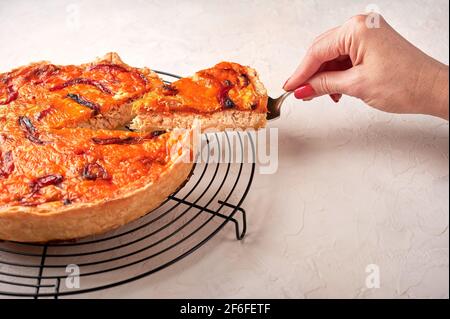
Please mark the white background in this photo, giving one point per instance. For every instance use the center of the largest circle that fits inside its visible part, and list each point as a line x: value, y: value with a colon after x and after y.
x: 354, y: 186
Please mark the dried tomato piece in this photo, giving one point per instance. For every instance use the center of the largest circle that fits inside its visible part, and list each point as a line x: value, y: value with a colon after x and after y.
x: 245, y: 79
x: 142, y: 77
x: 3, y: 137
x: 44, y: 181
x: 26, y: 125
x: 116, y: 140
x: 30, y: 131
x: 155, y: 134
x: 48, y: 180
x: 108, y: 67
x: 12, y: 95
x: 227, y: 83
x: 6, y: 164
x: 85, y: 81
x: 169, y: 90
x: 40, y: 115
x: 223, y: 98
x: 82, y: 101
x: 228, y: 103
x: 41, y: 73
x: 94, y: 171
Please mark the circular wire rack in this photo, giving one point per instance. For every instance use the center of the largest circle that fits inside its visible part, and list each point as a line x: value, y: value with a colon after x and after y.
x: 184, y: 222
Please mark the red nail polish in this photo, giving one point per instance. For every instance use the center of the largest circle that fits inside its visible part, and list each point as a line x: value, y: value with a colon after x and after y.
x: 336, y: 97
x: 305, y: 91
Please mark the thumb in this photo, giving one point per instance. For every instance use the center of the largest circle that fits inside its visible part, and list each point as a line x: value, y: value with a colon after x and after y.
x: 325, y: 83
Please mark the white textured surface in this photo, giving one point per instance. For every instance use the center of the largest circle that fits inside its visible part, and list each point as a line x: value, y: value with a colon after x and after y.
x: 354, y: 186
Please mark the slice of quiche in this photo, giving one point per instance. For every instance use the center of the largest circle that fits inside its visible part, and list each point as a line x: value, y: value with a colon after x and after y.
x: 227, y: 95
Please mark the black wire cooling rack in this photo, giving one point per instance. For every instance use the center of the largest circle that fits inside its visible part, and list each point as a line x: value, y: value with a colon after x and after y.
x: 183, y: 223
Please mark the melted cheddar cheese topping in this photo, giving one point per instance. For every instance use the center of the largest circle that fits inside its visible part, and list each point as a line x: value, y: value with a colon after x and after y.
x: 226, y: 86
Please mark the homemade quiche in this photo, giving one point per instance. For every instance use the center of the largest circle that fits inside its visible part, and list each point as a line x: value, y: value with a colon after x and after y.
x: 68, y: 171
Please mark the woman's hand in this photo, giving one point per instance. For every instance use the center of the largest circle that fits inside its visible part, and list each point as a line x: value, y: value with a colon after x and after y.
x: 376, y: 65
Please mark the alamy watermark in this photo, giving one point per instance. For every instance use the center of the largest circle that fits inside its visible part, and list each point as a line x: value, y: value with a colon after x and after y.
x: 73, y: 277
x: 373, y: 16
x: 73, y: 16
x: 241, y: 147
x: 373, y: 277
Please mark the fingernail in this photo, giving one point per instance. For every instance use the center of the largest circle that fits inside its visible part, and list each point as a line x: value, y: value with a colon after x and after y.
x: 284, y: 85
x: 336, y: 97
x: 305, y: 91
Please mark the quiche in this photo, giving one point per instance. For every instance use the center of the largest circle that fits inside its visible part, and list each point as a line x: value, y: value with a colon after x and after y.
x: 68, y: 169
